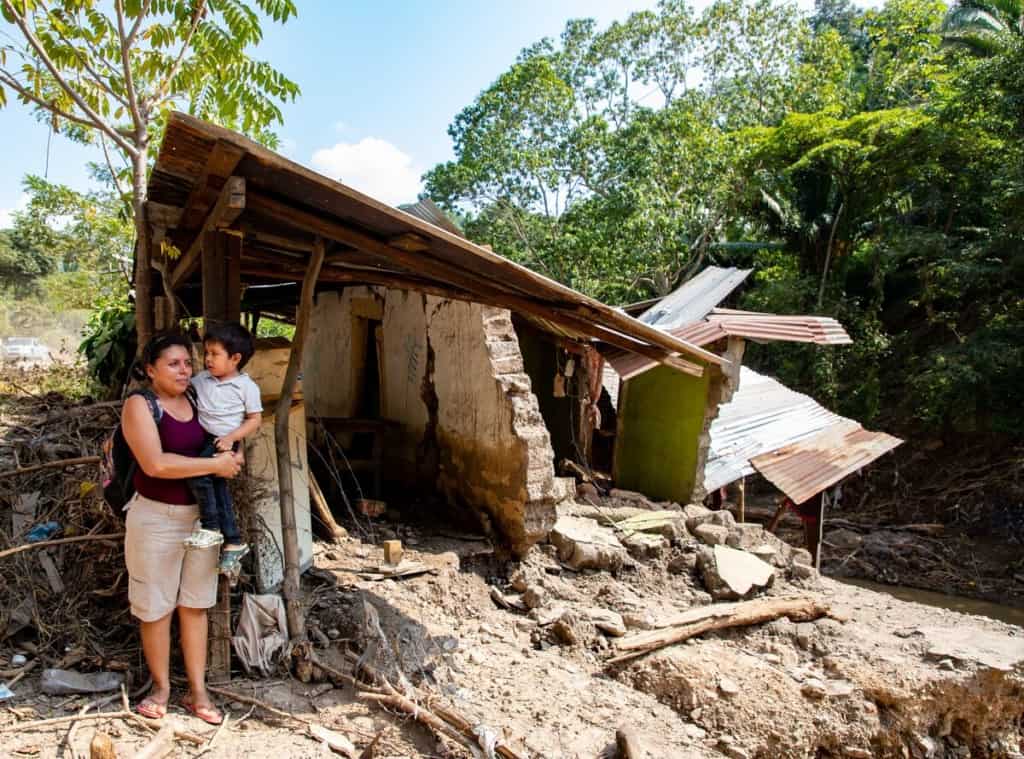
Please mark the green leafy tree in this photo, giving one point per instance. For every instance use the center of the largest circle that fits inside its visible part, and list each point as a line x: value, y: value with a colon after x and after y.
x: 110, y: 72
x: 985, y: 27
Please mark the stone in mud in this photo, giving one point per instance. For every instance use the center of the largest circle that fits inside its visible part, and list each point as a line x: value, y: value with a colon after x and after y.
x: 535, y: 597
x: 683, y: 564
x: 696, y: 515
x: 584, y: 544
x: 746, y: 536
x: 730, y: 574
x: 606, y: 621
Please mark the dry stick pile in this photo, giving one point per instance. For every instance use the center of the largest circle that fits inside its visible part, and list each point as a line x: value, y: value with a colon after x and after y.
x: 68, y: 600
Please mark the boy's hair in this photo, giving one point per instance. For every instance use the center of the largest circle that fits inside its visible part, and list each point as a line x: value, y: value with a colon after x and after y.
x: 234, y: 337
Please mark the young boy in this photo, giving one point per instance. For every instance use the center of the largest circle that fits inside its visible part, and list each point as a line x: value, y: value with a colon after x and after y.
x: 229, y: 408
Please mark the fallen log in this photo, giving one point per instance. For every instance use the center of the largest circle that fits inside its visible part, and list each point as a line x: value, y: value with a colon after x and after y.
x: 159, y: 745
x: 719, y: 617
x: 323, y: 511
x: 60, y: 463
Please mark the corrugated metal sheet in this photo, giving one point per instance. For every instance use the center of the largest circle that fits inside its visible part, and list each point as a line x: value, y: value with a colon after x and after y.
x: 764, y: 417
x: 821, y: 330
x: 802, y: 469
x: 694, y: 299
x: 721, y: 323
x: 428, y: 210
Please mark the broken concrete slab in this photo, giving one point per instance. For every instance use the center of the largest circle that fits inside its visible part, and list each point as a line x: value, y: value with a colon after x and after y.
x: 696, y: 515
x: 712, y: 534
x: 732, y: 574
x: 669, y: 524
x: 584, y: 544
x: 965, y: 644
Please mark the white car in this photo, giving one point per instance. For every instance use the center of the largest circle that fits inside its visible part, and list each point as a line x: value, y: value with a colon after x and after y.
x: 26, y: 350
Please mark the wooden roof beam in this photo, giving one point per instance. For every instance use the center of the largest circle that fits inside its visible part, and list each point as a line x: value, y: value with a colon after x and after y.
x: 513, y: 303
x: 229, y: 205
x: 589, y: 321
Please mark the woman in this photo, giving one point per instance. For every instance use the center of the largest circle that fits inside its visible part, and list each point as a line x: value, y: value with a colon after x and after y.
x: 162, y: 576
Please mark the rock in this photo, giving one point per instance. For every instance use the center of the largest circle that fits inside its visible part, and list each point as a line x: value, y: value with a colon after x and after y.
x: 805, y: 635
x: 694, y: 733
x: 334, y: 633
x: 535, y: 597
x: 683, y: 564
x: 765, y: 552
x: 923, y: 746
x: 641, y: 545
x: 814, y: 688
x: 734, y: 751
x: 564, y: 631
x: 712, y: 534
x: 606, y: 621
x: 722, y: 518
x: 803, y: 571
x: 839, y: 688
x: 732, y: 574
x: 968, y: 644
x: 802, y: 556
x: 746, y: 536
x: 519, y: 582
x: 728, y: 687
x: 545, y: 617
x: 477, y: 658
x: 638, y: 620
x: 584, y: 544
x: 668, y: 524
x: 696, y: 515
x: 853, y: 752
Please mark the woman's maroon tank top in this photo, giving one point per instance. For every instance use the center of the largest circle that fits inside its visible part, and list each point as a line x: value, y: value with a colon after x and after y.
x: 183, y: 438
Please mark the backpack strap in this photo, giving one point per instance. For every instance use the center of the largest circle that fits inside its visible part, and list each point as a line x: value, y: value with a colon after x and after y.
x: 151, y: 401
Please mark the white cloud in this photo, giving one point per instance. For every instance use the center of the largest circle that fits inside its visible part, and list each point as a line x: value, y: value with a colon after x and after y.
x: 373, y: 166
x: 7, y: 214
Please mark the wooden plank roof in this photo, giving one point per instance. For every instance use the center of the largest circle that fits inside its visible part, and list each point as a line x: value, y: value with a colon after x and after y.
x: 207, y: 177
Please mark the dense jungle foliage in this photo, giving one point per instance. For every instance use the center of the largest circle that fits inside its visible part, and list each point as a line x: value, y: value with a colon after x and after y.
x: 867, y: 164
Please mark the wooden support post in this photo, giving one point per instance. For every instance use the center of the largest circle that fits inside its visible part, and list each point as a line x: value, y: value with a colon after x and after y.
x: 219, y: 668
x: 222, y: 279
x: 741, y: 499
x: 289, y: 533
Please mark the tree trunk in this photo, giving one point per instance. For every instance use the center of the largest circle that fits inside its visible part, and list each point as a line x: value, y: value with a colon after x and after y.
x: 289, y: 533
x: 143, y: 259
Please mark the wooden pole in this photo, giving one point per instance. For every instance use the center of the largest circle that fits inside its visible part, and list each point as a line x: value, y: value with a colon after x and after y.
x: 741, y: 499
x: 289, y: 533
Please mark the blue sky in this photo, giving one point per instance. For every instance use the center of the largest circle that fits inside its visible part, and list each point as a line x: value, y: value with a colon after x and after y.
x: 381, y: 82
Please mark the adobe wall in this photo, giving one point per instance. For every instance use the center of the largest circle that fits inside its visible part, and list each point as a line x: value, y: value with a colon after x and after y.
x: 452, y: 376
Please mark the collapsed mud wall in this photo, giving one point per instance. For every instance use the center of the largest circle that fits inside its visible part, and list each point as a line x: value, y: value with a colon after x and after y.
x: 451, y: 374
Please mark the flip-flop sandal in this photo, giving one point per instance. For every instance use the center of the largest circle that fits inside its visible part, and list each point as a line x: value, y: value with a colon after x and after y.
x: 231, y: 560
x: 150, y: 708
x: 208, y: 714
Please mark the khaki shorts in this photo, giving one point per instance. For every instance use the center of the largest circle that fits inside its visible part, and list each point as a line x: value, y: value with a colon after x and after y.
x: 161, y: 574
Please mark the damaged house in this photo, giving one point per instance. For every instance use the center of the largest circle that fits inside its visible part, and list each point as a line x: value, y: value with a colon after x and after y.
x: 681, y: 438
x: 423, y: 350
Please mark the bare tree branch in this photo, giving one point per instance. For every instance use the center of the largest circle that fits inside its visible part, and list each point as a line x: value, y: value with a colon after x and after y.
x: 129, y: 81
x: 110, y: 168
x: 14, y: 84
x: 97, y: 121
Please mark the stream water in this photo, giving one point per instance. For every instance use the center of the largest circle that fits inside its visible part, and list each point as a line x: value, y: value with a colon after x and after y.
x: 1011, y: 614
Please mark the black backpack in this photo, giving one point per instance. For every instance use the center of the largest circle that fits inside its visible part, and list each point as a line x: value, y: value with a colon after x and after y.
x: 118, y: 465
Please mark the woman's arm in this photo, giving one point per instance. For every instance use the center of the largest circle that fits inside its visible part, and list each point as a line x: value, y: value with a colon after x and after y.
x: 144, y: 440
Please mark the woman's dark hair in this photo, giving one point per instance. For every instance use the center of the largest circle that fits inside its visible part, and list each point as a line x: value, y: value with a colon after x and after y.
x: 152, y: 350
x: 234, y: 337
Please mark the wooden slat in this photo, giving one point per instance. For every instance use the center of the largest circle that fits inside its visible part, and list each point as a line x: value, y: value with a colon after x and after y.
x: 222, y: 283
x: 229, y: 205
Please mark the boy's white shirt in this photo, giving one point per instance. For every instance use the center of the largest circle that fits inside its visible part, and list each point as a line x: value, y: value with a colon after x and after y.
x: 224, y: 404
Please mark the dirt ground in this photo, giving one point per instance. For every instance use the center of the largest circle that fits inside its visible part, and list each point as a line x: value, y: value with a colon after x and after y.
x: 876, y: 677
